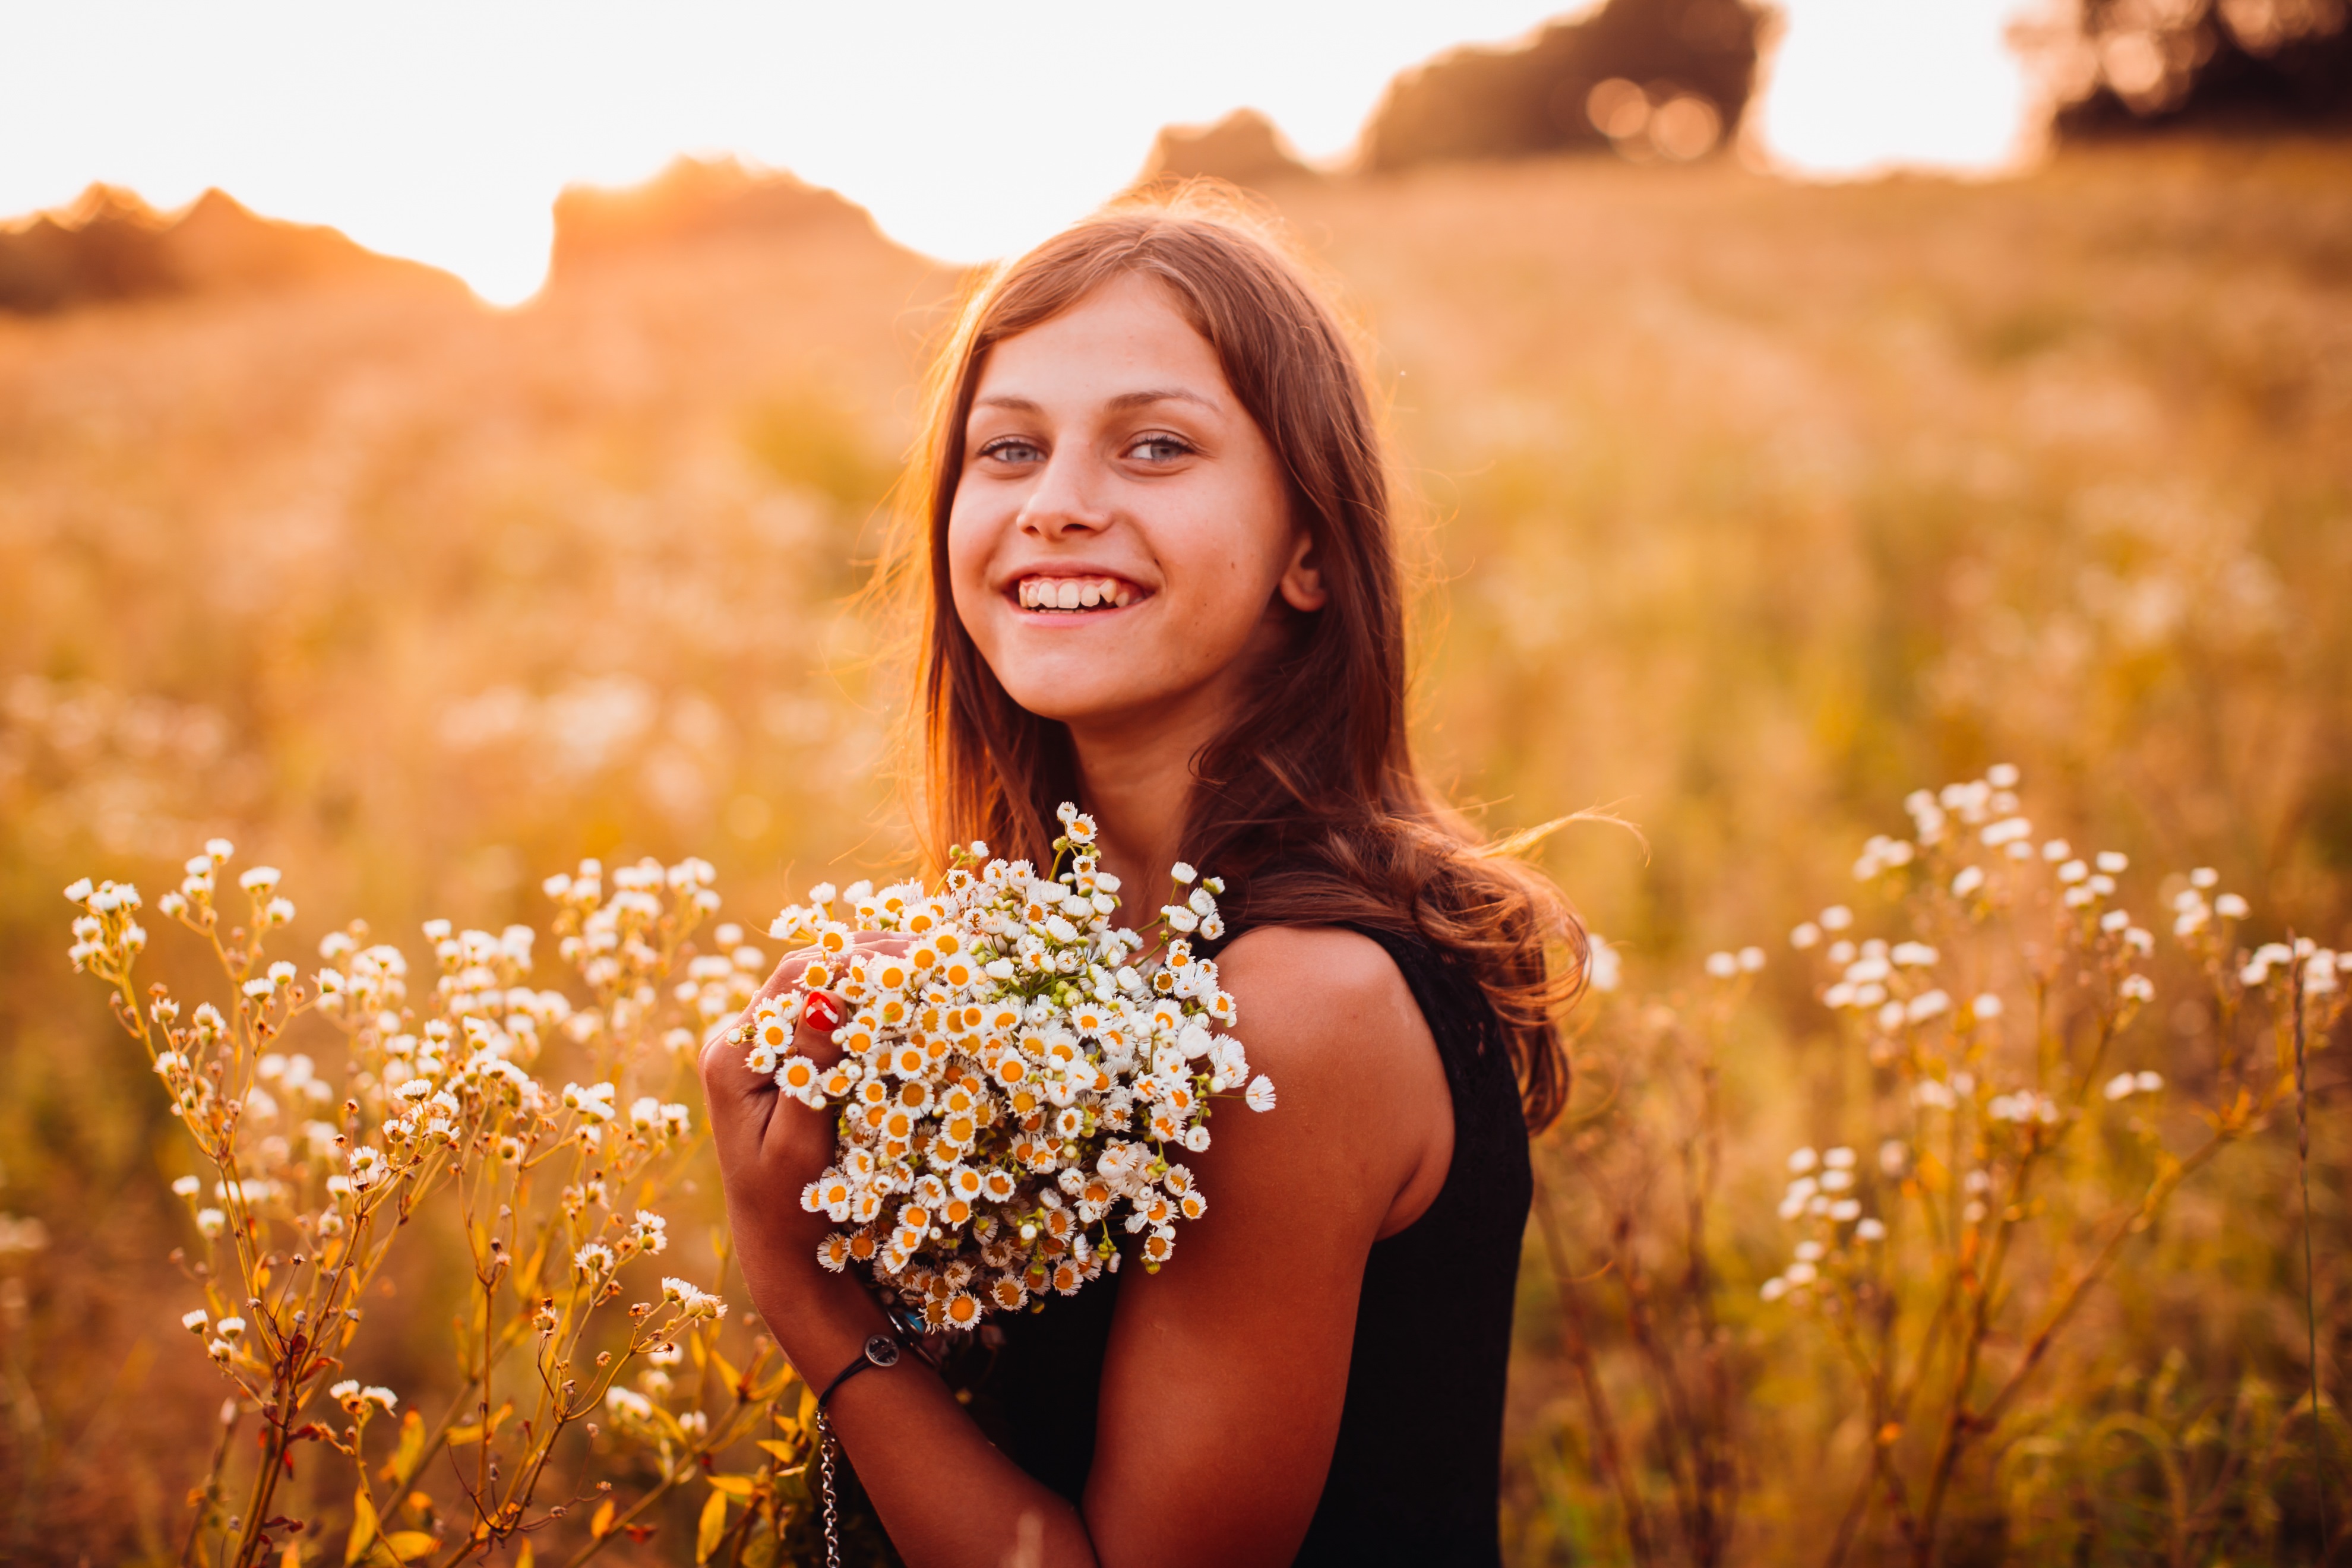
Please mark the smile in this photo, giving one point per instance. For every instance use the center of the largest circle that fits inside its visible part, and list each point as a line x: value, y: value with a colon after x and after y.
x: 1075, y: 595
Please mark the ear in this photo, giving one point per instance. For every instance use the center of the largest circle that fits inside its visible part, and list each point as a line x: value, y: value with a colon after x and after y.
x: 1301, y: 586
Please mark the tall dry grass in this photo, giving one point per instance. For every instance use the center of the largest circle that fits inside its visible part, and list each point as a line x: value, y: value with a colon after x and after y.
x: 1749, y: 509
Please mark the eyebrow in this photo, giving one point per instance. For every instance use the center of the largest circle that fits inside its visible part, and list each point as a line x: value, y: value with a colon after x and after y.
x: 1121, y: 404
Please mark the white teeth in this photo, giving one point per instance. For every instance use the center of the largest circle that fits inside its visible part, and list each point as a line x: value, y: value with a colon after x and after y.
x: 1073, y: 593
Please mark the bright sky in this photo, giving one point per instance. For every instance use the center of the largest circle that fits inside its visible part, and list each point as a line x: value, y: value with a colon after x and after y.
x: 443, y: 129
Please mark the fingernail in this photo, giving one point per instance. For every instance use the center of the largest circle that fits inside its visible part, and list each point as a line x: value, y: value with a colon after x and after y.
x: 822, y: 1013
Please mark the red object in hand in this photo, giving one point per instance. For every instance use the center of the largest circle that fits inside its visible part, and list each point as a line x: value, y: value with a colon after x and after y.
x: 823, y: 1013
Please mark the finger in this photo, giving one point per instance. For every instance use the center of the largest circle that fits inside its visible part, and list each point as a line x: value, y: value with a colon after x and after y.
x: 823, y: 1013
x: 723, y: 1068
x: 738, y: 1102
x: 813, y: 1037
x: 787, y: 973
x: 790, y: 1123
x: 734, y: 1092
x: 743, y: 1101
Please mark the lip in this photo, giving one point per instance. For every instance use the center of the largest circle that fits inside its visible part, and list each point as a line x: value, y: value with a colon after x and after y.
x: 1009, y: 588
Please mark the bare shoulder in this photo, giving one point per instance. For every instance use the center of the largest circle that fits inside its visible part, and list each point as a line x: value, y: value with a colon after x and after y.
x: 1327, y: 1014
x: 1326, y: 955
x: 1319, y: 996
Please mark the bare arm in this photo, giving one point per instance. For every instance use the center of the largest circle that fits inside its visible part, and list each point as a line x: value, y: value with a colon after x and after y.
x: 1226, y: 1372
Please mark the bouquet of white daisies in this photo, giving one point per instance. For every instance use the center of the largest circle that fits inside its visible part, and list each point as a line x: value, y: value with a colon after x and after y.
x: 1019, y: 1080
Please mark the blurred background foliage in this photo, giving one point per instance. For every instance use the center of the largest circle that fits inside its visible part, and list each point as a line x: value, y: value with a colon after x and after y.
x: 1744, y: 508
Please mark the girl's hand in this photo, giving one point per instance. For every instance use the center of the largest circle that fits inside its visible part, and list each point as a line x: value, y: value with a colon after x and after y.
x: 771, y: 1148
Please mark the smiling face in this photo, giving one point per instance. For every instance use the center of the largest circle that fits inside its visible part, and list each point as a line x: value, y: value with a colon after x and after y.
x: 1121, y: 546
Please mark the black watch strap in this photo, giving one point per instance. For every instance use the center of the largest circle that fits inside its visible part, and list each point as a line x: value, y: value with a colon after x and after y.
x: 881, y: 1350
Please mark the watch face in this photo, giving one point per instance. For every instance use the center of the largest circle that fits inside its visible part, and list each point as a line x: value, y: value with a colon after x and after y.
x: 882, y: 1350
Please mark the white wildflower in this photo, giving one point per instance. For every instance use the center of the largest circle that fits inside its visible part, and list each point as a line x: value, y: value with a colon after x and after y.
x: 2320, y: 972
x: 1605, y: 965
x: 2008, y: 830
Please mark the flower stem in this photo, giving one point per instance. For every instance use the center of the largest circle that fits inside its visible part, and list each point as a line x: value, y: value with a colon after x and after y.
x: 2310, y: 1284
x: 1596, y: 1398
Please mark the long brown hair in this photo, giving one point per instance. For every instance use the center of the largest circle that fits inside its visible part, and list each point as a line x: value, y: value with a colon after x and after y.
x: 1309, y: 803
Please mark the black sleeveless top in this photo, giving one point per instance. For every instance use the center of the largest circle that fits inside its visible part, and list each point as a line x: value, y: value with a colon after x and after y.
x: 1416, y: 1472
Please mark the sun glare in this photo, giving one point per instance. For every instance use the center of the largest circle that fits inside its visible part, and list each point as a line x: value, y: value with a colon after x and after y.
x: 1862, y: 86
x: 444, y: 132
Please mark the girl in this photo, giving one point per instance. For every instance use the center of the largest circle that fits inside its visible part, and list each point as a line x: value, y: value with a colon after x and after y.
x: 1158, y: 576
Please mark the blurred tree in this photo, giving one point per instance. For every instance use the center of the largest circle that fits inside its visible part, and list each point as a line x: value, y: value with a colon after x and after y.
x: 690, y: 201
x: 109, y: 244
x: 1652, y: 78
x: 1244, y: 148
x: 2128, y: 67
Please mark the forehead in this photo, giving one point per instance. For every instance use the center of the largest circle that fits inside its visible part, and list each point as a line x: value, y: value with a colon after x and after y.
x: 1127, y: 335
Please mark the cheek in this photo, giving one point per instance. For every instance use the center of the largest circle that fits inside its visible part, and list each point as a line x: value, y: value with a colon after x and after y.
x: 1228, y: 555
x: 970, y: 541
x: 1223, y: 601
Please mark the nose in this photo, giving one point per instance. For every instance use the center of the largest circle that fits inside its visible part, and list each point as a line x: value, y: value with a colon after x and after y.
x: 1068, y: 498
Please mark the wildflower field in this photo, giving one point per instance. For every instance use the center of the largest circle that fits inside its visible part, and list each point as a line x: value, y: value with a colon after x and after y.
x: 1948, y: 581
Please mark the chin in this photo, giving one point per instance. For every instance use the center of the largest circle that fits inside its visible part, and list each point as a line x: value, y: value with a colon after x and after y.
x: 1101, y: 684
x: 1076, y: 702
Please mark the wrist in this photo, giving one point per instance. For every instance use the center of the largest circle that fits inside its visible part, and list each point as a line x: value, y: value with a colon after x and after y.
x: 879, y: 1353
x: 822, y: 1321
